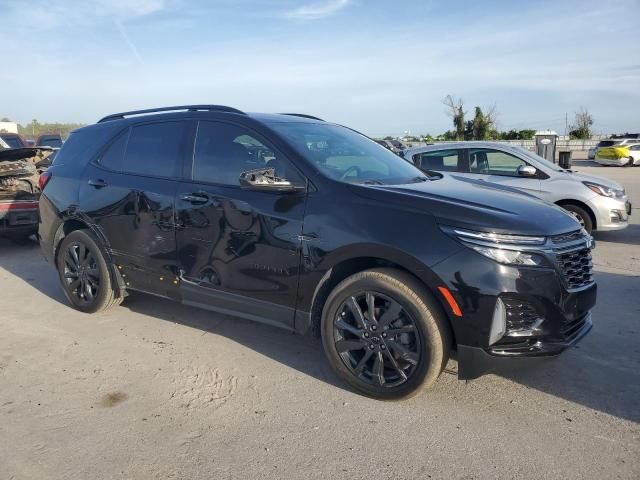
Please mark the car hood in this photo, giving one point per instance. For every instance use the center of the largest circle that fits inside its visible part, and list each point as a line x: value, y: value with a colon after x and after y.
x: 582, y: 177
x: 475, y: 204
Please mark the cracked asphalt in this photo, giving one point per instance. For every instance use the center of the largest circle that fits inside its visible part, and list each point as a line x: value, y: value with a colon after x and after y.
x: 152, y: 389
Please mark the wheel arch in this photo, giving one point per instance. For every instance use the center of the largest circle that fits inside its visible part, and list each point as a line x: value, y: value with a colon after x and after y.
x: 73, y: 223
x: 345, y: 266
x: 584, y: 206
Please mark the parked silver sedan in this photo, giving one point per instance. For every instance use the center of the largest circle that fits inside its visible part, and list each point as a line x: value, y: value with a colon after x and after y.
x: 595, y: 202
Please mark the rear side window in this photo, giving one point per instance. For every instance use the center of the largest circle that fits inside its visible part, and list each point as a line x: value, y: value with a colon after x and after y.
x: 13, y: 142
x: 157, y: 149
x: 114, y: 154
x: 440, y: 161
x: 82, y: 145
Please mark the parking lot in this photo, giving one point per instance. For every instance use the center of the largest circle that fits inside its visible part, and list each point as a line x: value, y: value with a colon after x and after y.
x: 153, y: 389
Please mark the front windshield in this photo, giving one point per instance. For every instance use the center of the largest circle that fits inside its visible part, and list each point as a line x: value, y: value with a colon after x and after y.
x: 347, y: 156
x: 538, y: 158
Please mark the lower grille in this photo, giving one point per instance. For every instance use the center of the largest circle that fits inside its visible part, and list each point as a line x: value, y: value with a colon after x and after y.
x: 576, y: 268
x: 520, y: 315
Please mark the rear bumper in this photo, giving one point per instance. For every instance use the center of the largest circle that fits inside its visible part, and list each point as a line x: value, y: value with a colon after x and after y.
x: 18, y: 217
x: 612, y: 162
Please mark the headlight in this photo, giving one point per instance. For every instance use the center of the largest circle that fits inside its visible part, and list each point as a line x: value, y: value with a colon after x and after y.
x: 604, y: 191
x: 500, y: 247
x: 510, y: 257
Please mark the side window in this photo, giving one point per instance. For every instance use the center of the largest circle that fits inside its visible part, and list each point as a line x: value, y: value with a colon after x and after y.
x: 440, y: 161
x: 114, y: 154
x: 156, y: 149
x: 223, y: 151
x: 494, y: 162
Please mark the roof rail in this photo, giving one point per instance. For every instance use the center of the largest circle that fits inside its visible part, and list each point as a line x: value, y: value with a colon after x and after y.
x: 191, y: 108
x: 303, y: 115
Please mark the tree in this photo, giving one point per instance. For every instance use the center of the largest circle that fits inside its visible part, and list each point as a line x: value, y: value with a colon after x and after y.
x: 4, y: 119
x: 456, y: 112
x: 582, y: 128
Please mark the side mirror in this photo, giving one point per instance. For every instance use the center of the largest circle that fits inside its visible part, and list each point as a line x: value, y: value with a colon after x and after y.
x: 265, y: 180
x: 526, y: 171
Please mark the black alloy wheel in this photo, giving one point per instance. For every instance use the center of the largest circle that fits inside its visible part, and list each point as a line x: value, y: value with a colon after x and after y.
x: 81, y: 273
x: 377, y: 339
x: 84, y: 273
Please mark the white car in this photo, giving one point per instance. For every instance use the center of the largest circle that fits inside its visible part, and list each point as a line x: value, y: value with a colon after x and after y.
x: 620, y: 155
x: 596, y: 202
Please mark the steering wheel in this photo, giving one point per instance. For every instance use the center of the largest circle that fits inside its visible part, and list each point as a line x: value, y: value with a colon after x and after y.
x: 349, y: 170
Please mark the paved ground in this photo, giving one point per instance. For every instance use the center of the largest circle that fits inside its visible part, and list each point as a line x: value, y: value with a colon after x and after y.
x: 157, y: 390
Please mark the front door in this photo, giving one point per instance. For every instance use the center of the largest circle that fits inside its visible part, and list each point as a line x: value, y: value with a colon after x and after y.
x: 239, y: 250
x: 500, y: 167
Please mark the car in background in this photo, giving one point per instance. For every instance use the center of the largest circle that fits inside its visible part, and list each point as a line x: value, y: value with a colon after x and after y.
x: 396, y: 146
x: 14, y: 140
x: 52, y: 140
x: 597, y: 203
x: 625, y: 154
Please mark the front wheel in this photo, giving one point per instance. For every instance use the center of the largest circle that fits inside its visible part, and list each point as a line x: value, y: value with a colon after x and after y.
x: 84, y: 273
x: 581, y: 215
x: 384, y: 334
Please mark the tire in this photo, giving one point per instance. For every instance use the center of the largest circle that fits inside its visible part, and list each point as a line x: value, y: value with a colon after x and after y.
x: 581, y: 215
x: 86, y: 282
x: 629, y: 162
x: 418, y: 347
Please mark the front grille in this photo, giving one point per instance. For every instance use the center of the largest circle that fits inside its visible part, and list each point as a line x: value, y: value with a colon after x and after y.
x: 576, y: 268
x: 567, y: 237
x: 520, y: 314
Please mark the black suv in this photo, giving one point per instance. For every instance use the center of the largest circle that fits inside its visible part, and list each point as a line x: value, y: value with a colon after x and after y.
x: 311, y: 226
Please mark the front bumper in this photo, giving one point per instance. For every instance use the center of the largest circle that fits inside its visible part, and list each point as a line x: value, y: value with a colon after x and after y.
x: 610, y: 213
x: 544, y: 314
x: 473, y: 362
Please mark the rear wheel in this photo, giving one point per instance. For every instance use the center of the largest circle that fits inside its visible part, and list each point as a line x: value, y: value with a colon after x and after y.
x: 581, y: 215
x: 384, y: 334
x: 84, y: 273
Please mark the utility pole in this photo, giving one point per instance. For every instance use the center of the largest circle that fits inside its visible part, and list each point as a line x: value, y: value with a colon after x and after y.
x: 566, y: 124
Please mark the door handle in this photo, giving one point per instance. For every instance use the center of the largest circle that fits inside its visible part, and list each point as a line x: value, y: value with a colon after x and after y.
x: 97, y: 183
x: 195, y: 198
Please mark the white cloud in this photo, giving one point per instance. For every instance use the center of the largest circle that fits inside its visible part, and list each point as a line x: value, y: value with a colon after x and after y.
x: 316, y: 11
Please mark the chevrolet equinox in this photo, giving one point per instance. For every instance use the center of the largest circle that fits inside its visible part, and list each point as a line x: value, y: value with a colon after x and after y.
x: 313, y: 227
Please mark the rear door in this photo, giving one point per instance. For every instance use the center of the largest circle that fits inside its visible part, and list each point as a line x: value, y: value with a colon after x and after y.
x: 239, y: 250
x: 129, y: 193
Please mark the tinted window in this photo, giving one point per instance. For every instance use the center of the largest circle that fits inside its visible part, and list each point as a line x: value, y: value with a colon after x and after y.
x: 440, y: 161
x: 223, y: 151
x: 494, y: 162
x: 345, y: 155
x: 114, y: 154
x: 82, y: 145
x: 13, y: 142
x: 156, y: 149
x: 50, y: 142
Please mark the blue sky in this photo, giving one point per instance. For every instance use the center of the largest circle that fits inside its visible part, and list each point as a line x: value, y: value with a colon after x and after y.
x: 380, y: 66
